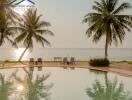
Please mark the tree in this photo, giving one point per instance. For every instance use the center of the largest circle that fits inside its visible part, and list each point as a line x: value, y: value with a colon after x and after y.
x: 7, y: 11
x: 7, y: 19
x: 32, y: 28
x: 108, y: 21
x: 7, y: 30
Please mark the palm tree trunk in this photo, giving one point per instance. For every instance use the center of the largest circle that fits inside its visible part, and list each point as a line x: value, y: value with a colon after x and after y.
x: 106, y: 48
x: 23, y: 54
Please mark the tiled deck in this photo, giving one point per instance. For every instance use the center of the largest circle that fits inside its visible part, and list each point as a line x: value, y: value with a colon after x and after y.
x: 123, y: 69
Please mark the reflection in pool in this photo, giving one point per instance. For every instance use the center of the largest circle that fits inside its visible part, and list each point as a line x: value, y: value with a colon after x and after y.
x: 69, y: 84
x: 110, y: 90
x: 29, y: 88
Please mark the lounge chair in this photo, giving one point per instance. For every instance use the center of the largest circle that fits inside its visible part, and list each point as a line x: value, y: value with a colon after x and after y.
x: 57, y: 59
x: 31, y: 64
x: 65, y: 61
x: 39, y: 64
x: 72, y: 61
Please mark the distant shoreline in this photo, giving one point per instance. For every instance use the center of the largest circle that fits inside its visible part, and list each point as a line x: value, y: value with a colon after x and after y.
x: 80, y: 54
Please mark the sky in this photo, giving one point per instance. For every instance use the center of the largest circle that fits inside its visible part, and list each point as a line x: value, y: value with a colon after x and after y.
x: 66, y: 18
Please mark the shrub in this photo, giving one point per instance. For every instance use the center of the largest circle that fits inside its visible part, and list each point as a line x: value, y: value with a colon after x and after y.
x: 99, y: 62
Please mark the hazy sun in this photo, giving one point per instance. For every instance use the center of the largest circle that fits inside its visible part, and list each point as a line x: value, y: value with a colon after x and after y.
x: 19, y: 51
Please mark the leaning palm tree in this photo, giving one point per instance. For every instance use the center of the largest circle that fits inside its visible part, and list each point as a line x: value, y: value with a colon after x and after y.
x: 32, y: 28
x: 108, y: 20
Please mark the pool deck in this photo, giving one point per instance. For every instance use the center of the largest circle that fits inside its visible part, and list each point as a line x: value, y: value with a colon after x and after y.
x: 122, y: 69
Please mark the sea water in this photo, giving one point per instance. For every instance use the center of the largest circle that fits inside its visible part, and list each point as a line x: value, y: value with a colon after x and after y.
x: 117, y: 54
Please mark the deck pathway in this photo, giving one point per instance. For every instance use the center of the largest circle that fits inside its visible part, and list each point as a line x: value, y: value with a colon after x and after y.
x: 123, y: 69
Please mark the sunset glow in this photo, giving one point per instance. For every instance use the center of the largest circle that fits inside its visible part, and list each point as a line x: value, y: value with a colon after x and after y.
x: 19, y: 51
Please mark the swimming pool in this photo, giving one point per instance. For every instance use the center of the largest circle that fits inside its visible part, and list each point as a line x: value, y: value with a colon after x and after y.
x: 63, y: 84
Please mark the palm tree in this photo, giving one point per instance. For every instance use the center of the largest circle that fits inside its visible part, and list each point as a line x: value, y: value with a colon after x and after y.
x: 32, y: 28
x: 7, y: 11
x: 7, y: 18
x: 108, y: 20
x: 7, y: 30
x: 109, y: 91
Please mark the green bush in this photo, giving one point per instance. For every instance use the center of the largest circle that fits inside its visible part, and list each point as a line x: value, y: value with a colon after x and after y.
x: 99, y: 62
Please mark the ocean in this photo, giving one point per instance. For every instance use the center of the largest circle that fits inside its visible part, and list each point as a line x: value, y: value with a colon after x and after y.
x: 81, y: 54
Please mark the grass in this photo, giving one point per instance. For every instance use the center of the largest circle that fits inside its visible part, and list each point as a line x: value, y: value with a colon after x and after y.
x: 80, y: 62
x: 16, y: 62
x: 129, y: 62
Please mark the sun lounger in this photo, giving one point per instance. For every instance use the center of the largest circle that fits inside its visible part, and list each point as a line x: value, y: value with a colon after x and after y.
x: 31, y: 64
x: 57, y: 59
x: 65, y: 61
x: 72, y: 61
x: 39, y: 64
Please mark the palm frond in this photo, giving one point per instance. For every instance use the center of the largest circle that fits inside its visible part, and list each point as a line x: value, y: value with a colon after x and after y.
x: 122, y: 7
x: 44, y: 32
x: 21, y: 37
x: 12, y: 42
x: 41, y: 40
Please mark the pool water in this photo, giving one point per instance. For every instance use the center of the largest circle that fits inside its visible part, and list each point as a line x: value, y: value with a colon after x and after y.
x: 63, y: 84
